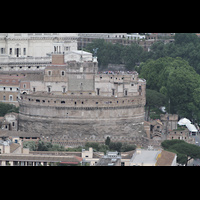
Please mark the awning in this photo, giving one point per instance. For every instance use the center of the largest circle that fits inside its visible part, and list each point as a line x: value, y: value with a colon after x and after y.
x: 184, y: 121
x: 191, y: 128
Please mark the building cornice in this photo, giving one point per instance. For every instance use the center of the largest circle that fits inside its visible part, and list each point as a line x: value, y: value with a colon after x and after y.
x: 41, y: 38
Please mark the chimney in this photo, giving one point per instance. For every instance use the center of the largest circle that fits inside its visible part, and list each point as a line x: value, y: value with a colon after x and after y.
x: 58, y: 59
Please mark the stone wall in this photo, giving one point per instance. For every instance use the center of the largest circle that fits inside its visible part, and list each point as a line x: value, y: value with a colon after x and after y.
x: 65, y: 140
x: 82, y: 117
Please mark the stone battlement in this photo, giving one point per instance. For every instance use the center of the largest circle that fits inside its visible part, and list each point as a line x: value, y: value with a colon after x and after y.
x: 84, y: 101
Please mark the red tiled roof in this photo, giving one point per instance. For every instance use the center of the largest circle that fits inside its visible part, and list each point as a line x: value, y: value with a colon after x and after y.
x: 78, y: 158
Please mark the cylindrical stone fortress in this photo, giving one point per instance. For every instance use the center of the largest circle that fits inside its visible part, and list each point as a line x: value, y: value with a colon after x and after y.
x: 73, y: 100
x: 81, y: 116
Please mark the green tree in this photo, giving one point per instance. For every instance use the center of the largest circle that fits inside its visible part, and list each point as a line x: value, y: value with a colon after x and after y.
x: 102, y: 53
x: 115, y: 146
x: 186, y: 46
x: 181, y: 85
x: 127, y: 147
x: 154, y: 99
x: 131, y: 55
x: 185, y: 151
x: 56, y: 147
x: 41, y: 146
x: 30, y: 144
x: 181, y: 38
x: 7, y: 108
x: 94, y: 145
x: 103, y: 148
x: 177, y: 80
x: 150, y: 71
x: 107, y: 141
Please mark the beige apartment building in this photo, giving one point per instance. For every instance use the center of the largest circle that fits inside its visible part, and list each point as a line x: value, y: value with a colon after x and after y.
x: 9, y: 87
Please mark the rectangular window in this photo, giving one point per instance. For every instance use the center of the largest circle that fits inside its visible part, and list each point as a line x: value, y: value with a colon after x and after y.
x: 24, y: 85
x: 4, y: 98
x: 126, y: 93
x: 10, y: 51
x: 98, y: 91
x: 10, y: 98
x: 13, y: 124
x: 113, y: 92
x: 63, y: 73
x: 24, y: 51
x: 64, y: 90
x: 17, y: 52
x: 49, y: 89
x: 34, y: 89
x: 2, y: 50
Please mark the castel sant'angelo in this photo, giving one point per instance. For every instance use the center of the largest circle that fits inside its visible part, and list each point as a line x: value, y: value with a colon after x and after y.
x: 71, y: 98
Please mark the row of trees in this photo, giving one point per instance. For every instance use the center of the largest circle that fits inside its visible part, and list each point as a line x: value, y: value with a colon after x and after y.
x: 108, y: 146
x: 186, y: 46
x: 116, y: 53
x: 42, y: 146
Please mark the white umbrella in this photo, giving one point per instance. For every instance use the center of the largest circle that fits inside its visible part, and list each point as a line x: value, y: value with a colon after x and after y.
x: 184, y: 121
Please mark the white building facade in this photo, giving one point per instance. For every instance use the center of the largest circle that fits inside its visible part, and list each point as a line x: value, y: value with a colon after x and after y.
x: 32, y: 51
x: 36, y: 44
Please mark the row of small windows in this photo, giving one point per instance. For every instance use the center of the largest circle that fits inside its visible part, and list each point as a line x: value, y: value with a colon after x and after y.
x: 75, y: 103
x: 25, y: 66
x: 115, y: 78
x: 113, y: 92
x: 4, y: 88
x: 29, y: 67
x: 17, y: 51
x: 10, y: 98
x: 98, y: 91
x: 50, y: 73
x: 178, y: 138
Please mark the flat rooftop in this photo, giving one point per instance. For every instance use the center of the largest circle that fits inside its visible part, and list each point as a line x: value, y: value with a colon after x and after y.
x: 144, y: 156
x: 107, y: 162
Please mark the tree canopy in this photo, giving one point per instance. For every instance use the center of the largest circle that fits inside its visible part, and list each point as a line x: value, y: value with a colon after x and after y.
x: 48, y: 146
x: 7, y: 108
x: 154, y: 99
x: 116, y: 53
x: 178, y: 81
x: 186, y: 46
x: 184, y: 150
